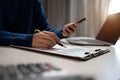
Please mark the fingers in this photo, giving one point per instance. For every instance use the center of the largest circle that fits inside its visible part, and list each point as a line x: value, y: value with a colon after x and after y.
x: 69, y: 29
x: 53, y: 35
x: 45, y: 44
x: 48, y: 38
x: 43, y: 40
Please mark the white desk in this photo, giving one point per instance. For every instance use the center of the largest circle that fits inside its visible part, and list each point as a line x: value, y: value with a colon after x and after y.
x: 105, y: 67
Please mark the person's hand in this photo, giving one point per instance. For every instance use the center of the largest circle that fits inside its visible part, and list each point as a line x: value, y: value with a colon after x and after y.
x: 44, y: 40
x: 69, y: 29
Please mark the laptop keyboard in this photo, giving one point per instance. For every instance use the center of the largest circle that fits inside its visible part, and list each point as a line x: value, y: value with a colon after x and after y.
x: 85, y: 40
x: 92, y: 41
x: 36, y: 71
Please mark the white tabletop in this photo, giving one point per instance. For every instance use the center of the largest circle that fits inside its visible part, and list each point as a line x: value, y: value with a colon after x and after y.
x: 105, y: 67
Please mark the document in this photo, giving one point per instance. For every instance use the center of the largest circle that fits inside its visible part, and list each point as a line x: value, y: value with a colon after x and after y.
x: 71, y: 51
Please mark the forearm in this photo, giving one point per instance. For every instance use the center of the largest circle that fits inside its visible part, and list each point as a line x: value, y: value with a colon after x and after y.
x: 41, y: 21
x: 58, y: 32
x: 7, y: 38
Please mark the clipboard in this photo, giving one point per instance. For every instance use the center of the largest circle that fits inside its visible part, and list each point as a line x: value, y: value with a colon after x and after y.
x: 76, y: 52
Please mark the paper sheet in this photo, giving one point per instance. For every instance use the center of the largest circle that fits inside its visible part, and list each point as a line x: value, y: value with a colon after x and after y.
x: 71, y: 50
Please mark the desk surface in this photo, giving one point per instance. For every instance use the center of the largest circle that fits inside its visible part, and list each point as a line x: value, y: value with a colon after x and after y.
x: 105, y: 67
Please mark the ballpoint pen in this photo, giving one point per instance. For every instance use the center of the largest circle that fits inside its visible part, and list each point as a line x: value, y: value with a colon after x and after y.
x: 37, y: 31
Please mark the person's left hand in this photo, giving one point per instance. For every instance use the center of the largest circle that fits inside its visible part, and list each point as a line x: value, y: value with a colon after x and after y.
x: 69, y: 29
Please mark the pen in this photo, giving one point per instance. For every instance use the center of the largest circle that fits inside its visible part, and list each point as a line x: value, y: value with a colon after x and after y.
x: 80, y: 21
x: 37, y: 31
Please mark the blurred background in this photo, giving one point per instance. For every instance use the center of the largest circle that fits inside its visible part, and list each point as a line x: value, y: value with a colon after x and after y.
x: 61, y: 12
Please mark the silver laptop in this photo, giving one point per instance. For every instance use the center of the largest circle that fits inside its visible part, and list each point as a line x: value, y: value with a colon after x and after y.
x: 108, y: 34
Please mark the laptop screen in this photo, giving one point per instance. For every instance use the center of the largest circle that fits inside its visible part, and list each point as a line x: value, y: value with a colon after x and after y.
x: 110, y: 30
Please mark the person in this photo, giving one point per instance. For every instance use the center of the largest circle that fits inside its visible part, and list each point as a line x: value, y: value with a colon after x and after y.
x: 20, y: 18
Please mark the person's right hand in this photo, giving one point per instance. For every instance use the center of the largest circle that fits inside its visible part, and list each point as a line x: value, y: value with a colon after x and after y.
x: 44, y: 40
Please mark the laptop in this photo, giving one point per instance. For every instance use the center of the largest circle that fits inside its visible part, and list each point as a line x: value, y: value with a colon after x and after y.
x: 108, y: 34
